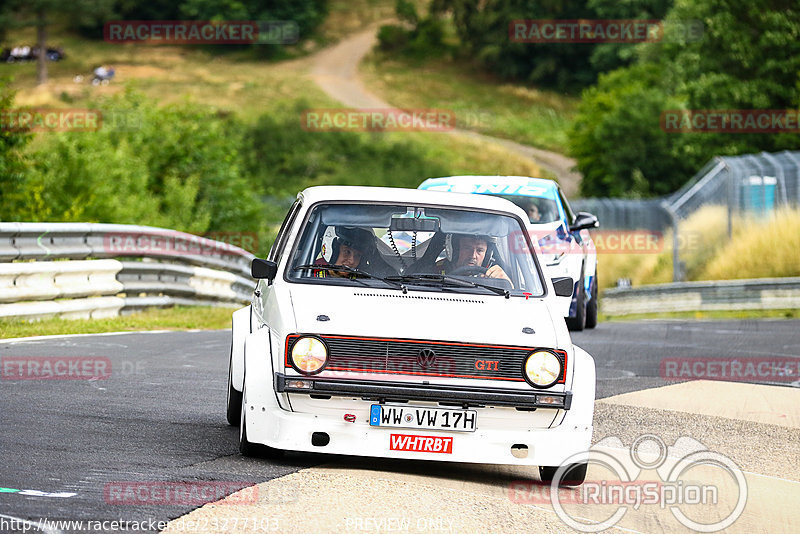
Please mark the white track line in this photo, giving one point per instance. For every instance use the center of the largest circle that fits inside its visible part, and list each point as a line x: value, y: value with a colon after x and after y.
x: 56, y: 336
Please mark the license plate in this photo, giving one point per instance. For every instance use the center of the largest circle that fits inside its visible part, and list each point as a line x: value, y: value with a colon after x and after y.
x: 428, y: 418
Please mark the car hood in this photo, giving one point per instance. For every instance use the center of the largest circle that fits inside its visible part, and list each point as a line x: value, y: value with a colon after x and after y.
x: 430, y: 315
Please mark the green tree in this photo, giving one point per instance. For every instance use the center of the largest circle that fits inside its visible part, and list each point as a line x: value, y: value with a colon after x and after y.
x: 617, y: 138
x: 178, y: 167
x: 307, y: 14
x: 748, y: 58
x: 13, y: 161
x: 606, y: 57
x: 482, y: 27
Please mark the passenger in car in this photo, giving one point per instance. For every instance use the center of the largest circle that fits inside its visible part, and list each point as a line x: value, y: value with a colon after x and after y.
x: 533, y: 212
x: 347, y: 246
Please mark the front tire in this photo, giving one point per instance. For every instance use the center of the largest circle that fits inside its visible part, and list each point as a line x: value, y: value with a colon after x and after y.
x: 248, y: 448
x: 234, y: 401
x: 578, y: 322
x: 591, y: 308
x: 574, y: 476
x: 245, y: 447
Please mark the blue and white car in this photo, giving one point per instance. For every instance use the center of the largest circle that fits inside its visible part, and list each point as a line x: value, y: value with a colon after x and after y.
x: 562, y: 234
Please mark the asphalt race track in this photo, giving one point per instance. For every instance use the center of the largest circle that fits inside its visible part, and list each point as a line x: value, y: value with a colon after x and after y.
x: 159, y: 416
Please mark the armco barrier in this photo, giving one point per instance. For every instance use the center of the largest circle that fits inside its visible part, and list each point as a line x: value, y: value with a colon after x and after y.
x: 67, y: 270
x: 751, y: 294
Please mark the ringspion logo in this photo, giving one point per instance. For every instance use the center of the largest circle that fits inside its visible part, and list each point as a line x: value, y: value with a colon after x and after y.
x: 703, y: 490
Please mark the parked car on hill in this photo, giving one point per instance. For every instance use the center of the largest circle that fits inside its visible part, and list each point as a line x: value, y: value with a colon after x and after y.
x: 30, y: 53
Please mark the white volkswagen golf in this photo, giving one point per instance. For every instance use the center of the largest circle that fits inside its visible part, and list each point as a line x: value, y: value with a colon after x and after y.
x: 412, y: 324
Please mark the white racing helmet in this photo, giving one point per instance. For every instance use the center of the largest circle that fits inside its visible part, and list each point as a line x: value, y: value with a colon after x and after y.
x: 336, y: 236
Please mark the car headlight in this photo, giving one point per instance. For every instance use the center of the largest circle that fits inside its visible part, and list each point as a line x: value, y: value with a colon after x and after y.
x: 542, y: 369
x: 309, y: 355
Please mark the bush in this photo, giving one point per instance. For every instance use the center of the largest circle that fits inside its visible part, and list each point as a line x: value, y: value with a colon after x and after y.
x: 618, y: 141
x: 176, y: 167
x: 392, y: 38
x: 13, y: 162
x: 419, y: 38
x: 283, y: 158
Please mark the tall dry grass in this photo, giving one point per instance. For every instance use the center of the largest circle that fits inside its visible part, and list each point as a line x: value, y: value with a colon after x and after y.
x: 757, y: 248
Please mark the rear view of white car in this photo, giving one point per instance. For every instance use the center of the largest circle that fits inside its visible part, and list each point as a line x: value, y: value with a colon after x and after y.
x: 409, y: 324
x: 562, y: 234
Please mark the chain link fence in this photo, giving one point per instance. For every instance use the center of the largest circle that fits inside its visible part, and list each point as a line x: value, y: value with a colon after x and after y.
x: 752, y: 184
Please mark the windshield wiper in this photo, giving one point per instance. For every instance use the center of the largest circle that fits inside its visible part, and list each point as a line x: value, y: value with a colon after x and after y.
x: 344, y: 268
x: 444, y: 279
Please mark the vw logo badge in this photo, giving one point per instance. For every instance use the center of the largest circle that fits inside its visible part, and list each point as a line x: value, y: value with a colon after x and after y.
x: 426, y: 358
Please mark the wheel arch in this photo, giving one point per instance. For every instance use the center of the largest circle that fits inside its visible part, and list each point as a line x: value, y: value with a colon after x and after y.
x: 240, y: 328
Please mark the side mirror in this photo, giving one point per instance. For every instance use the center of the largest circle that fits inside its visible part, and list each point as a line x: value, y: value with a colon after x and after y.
x: 563, y: 286
x: 583, y: 221
x: 263, y: 269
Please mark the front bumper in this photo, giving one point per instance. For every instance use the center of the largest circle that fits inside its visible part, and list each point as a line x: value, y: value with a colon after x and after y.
x: 271, y: 425
x: 293, y: 431
x: 446, y: 395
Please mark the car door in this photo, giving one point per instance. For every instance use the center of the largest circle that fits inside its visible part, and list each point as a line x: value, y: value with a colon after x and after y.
x: 264, y: 287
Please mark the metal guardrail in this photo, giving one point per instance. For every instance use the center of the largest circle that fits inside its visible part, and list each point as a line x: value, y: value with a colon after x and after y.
x: 751, y: 294
x: 98, y: 270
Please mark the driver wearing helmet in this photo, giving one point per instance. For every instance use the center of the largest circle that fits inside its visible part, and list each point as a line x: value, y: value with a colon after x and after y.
x: 346, y: 246
x: 464, y: 251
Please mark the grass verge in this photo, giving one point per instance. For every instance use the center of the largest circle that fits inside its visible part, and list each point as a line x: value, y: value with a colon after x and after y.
x: 232, y: 83
x: 178, y: 318
x: 480, y: 102
x: 707, y: 315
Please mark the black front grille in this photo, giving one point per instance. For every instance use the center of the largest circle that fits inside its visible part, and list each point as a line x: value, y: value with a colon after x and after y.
x: 403, y: 357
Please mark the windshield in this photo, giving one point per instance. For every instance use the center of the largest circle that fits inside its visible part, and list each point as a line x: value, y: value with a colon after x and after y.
x: 410, y: 247
x: 539, y: 209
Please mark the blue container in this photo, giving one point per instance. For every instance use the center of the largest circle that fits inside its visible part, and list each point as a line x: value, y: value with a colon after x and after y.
x: 757, y: 195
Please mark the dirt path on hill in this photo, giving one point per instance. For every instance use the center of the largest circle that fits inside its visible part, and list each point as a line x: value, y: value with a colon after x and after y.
x: 335, y: 70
